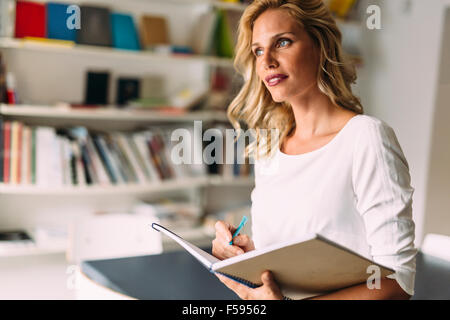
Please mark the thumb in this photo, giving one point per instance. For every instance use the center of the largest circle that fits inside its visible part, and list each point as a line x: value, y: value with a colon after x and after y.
x: 267, y: 279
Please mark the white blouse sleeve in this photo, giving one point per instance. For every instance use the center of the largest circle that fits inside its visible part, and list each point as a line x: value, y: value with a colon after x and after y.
x: 383, y: 193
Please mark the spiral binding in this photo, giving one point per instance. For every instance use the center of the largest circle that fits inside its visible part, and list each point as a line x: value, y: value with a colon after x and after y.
x: 240, y: 280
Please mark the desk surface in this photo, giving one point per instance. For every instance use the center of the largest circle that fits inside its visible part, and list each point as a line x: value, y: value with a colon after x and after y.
x: 178, y: 276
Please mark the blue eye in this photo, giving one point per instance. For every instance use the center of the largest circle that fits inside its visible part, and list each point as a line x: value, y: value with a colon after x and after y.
x: 258, y: 52
x: 284, y: 42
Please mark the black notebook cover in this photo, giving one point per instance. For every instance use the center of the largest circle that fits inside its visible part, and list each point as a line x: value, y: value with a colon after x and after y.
x: 95, y: 26
x: 127, y: 89
x: 97, y: 84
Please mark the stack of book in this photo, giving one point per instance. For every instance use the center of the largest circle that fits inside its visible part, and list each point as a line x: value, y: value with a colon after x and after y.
x: 60, y: 24
x: 45, y: 156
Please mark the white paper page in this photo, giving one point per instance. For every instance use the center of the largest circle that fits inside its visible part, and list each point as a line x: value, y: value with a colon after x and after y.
x: 205, y: 258
x: 254, y: 253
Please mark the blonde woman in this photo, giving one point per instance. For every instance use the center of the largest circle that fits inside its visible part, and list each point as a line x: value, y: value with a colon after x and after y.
x: 337, y: 172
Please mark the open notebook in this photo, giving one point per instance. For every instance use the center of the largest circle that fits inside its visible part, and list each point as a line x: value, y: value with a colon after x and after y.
x: 304, y: 267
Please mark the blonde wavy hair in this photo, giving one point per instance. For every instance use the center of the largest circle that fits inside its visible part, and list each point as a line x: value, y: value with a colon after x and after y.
x: 254, y: 105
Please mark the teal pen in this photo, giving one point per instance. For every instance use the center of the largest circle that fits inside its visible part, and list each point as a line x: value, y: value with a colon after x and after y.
x: 241, y: 225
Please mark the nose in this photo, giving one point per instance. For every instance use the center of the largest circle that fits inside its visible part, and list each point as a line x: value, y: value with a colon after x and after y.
x: 269, y: 60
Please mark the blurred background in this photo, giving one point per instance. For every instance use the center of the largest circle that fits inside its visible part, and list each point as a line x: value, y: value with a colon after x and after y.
x: 91, y: 90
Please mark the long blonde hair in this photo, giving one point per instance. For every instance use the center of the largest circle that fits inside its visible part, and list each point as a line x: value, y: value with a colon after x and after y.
x: 254, y: 105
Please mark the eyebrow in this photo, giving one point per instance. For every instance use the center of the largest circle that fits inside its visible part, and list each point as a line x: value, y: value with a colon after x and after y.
x: 273, y: 37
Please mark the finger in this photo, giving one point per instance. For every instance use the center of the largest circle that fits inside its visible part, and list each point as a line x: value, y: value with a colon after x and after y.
x: 269, y: 281
x: 231, y: 251
x: 244, y: 242
x: 267, y: 278
x: 224, y: 250
x: 241, y: 290
x: 224, y: 230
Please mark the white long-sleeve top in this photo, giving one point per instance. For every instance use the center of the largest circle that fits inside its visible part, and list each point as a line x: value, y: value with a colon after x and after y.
x: 355, y: 190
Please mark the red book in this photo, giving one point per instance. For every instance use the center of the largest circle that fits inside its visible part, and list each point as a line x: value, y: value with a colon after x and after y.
x: 7, y: 150
x: 19, y: 152
x: 30, y: 19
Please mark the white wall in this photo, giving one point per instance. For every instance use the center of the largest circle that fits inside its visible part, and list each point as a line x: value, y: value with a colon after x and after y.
x: 437, y: 218
x: 399, y: 83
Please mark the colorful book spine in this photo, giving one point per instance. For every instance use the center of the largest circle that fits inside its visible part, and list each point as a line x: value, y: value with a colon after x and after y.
x: 103, y: 154
x: 102, y: 175
x: 33, y: 155
x: 1, y: 149
x: 6, y: 151
x: 30, y: 19
x: 57, y: 22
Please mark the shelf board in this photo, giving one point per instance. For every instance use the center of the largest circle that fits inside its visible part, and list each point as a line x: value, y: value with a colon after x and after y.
x: 215, y: 3
x: 126, y: 189
x: 106, y: 114
x: 15, y: 251
x: 79, y: 49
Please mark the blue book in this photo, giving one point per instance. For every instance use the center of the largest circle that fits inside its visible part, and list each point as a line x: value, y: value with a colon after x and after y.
x: 100, y: 145
x: 124, y: 34
x: 57, y: 22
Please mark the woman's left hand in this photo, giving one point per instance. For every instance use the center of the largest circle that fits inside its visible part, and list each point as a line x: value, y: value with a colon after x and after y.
x: 268, y: 291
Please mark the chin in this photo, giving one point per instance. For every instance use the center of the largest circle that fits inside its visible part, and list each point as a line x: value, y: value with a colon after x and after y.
x: 278, y: 98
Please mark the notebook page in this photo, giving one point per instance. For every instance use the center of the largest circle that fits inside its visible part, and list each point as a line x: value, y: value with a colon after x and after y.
x: 204, y: 257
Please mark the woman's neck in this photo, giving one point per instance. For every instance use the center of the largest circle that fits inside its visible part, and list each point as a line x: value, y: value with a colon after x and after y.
x: 314, y: 113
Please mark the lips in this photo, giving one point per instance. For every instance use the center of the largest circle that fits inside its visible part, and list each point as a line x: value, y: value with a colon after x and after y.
x: 275, y: 79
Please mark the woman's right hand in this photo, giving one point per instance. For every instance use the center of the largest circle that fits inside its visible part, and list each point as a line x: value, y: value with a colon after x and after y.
x: 221, y: 247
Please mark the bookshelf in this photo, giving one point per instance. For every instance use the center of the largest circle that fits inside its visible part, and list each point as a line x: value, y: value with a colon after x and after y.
x: 20, y: 200
x: 128, y: 190
x: 48, y: 72
x: 112, y: 117
x: 113, y: 53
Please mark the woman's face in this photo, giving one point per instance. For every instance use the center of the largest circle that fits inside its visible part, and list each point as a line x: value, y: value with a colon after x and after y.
x: 286, y: 57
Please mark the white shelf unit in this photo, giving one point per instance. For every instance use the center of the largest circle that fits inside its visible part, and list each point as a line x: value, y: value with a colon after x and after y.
x: 98, y: 51
x: 47, y: 73
x: 16, y: 199
x: 106, y: 114
x: 134, y: 190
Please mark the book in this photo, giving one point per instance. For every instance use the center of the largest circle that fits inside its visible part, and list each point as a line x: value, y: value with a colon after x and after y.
x: 341, y: 7
x: 140, y: 141
x: 124, y: 159
x: 103, y: 153
x: 97, y: 85
x: 203, y: 33
x: 30, y: 42
x: 1, y: 150
x: 133, y: 162
x: 30, y: 19
x: 45, y: 141
x: 3, y: 88
x: 6, y: 150
x: 124, y: 34
x: 57, y: 22
x: 127, y: 89
x: 154, y: 31
x: 223, y: 37
x: 33, y: 154
x: 25, y: 171
x: 16, y: 141
x: 99, y: 168
x: 95, y: 26
x: 308, y: 266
